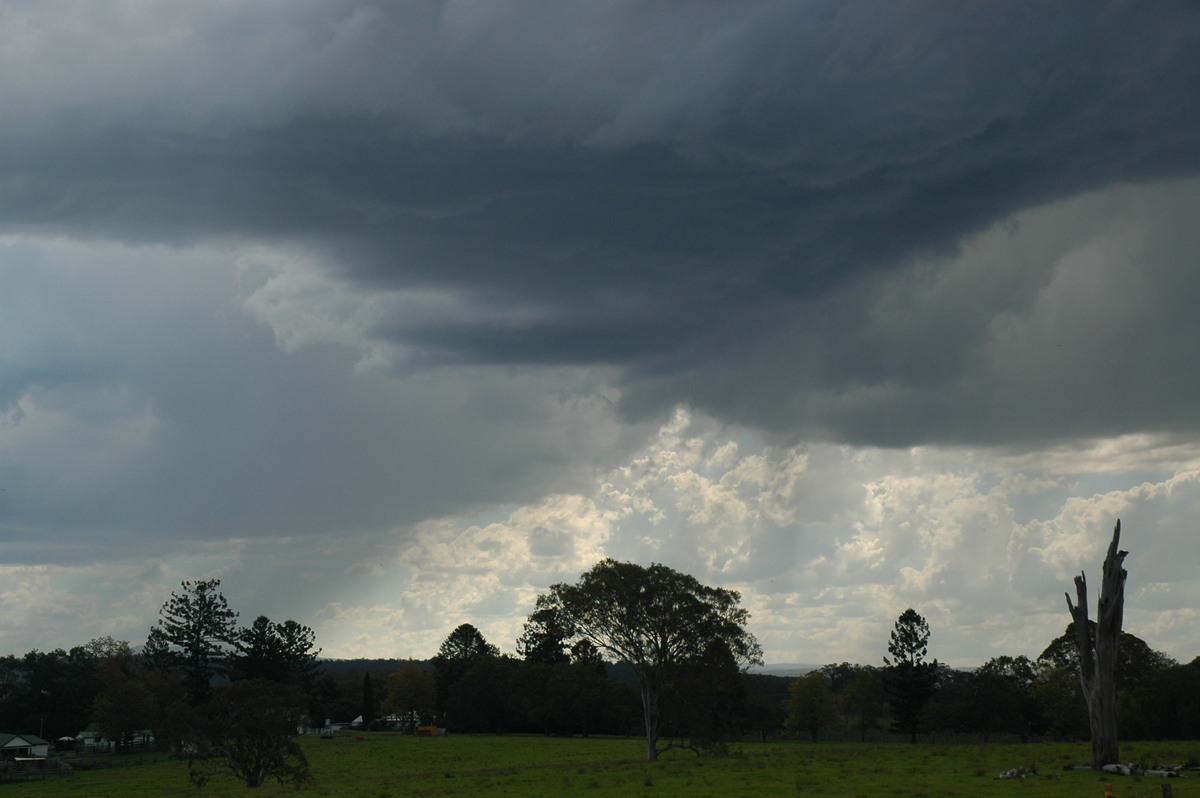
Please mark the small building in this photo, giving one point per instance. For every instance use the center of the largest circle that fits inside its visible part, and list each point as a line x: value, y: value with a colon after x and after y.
x: 91, y: 739
x: 22, y: 745
x: 406, y: 724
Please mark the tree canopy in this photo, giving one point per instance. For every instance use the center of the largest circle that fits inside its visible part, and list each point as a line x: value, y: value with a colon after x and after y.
x: 460, y: 652
x: 658, y: 620
x: 410, y: 691
x: 282, y: 652
x: 1002, y: 697
x: 465, y: 644
x: 249, y: 729
x: 812, y: 707
x: 1135, y: 659
x: 909, y: 641
x: 544, y: 639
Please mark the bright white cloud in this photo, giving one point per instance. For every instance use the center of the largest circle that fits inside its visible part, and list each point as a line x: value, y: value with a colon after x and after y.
x: 825, y: 559
x: 925, y: 532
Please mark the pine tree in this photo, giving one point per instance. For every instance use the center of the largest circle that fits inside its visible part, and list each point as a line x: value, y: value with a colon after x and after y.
x: 909, y: 679
x: 199, y: 622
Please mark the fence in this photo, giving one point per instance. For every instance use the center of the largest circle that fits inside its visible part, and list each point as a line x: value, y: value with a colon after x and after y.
x: 33, y: 768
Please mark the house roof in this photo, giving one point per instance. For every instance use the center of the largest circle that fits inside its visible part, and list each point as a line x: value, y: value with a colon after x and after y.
x: 20, y: 740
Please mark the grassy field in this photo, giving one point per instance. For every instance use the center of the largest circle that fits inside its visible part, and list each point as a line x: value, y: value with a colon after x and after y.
x: 379, y: 765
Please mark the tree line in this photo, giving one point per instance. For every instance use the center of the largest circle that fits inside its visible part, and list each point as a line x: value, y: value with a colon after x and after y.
x: 1012, y: 698
x: 627, y: 650
x: 569, y: 677
x: 231, y: 697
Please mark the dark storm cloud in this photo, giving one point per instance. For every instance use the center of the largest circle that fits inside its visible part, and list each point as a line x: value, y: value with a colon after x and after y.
x: 697, y: 193
x: 140, y: 400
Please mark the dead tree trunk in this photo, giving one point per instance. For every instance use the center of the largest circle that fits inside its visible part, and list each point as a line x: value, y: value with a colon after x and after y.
x: 1098, y: 651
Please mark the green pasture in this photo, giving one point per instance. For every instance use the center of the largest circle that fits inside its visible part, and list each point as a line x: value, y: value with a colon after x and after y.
x: 379, y: 765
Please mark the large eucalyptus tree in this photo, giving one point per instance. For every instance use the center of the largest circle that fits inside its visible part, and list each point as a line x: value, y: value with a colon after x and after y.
x: 661, y: 622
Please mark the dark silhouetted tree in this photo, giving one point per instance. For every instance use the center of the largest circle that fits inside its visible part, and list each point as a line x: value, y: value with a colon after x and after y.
x: 157, y: 653
x: 703, y: 700
x: 578, y: 697
x: 283, y: 652
x: 812, y: 707
x: 410, y: 691
x: 49, y: 692
x: 1060, y: 703
x: 657, y: 620
x: 1166, y: 704
x: 910, y: 680
x: 250, y: 729
x: 462, y: 649
x: 1136, y: 660
x: 136, y: 697
x: 544, y: 640
x: 200, y: 624
x: 465, y: 644
x: 485, y: 698
x: 863, y: 699
x: 585, y: 654
x: 1003, y: 697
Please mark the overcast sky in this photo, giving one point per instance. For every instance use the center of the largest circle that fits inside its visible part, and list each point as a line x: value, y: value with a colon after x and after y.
x: 391, y: 315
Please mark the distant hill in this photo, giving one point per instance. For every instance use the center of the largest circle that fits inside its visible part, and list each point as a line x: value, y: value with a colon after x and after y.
x: 620, y: 672
x: 783, y: 669
x: 357, y: 667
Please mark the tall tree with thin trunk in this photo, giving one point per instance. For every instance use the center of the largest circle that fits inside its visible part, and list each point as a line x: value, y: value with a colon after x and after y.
x: 1098, y: 646
x: 909, y: 679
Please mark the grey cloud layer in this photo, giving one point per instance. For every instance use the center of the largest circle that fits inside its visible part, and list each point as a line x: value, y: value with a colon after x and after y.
x: 143, y: 406
x: 693, y: 193
x: 342, y: 302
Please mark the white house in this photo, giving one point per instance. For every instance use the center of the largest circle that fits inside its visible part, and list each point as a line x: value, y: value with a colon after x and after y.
x: 22, y: 745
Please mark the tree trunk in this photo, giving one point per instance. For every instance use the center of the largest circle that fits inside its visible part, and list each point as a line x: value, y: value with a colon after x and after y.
x: 1098, y: 651
x: 650, y: 711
